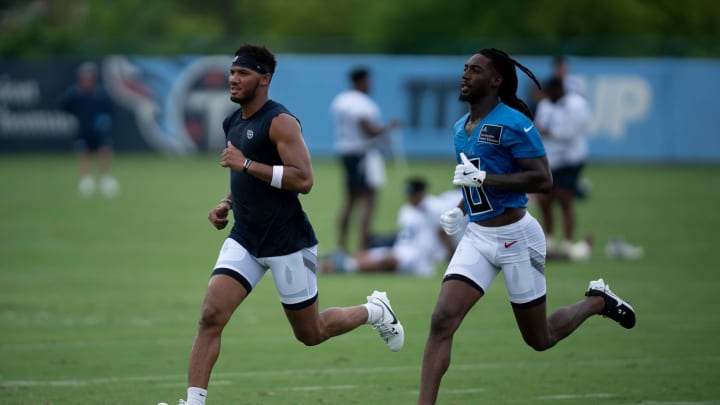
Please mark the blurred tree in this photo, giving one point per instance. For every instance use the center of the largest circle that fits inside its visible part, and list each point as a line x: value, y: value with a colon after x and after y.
x: 610, y: 27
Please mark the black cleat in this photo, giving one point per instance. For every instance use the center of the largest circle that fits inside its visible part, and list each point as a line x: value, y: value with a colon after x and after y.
x: 615, y: 308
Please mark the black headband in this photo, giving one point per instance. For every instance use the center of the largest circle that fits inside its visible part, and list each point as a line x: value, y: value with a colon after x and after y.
x: 249, y: 62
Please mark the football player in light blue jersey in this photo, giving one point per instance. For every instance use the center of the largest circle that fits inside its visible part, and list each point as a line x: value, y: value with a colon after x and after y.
x: 503, y: 136
x: 500, y: 158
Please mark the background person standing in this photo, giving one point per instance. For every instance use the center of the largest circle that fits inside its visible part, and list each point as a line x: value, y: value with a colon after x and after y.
x: 90, y: 104
x: 562, y: 118
x: 358, y: 138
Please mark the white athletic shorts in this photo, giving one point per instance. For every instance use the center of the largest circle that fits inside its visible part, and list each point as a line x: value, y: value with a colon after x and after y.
x: 294, y: 274
x: 518, y: 250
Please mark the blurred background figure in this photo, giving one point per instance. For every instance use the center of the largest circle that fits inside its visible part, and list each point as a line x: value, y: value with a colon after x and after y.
x: 359, y: 135
x: 619, y: 249
x: 89, y: 103
x: 420, y: 244
x: 571, y: 82
x: 562, y: 118
x: 561, y: 70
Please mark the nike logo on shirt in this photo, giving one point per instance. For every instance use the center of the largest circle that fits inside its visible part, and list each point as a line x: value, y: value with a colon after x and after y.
x: 509, y: 244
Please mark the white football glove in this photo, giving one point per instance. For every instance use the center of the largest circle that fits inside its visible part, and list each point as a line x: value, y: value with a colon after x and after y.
x: 466, y: 174
x: 453, y: 221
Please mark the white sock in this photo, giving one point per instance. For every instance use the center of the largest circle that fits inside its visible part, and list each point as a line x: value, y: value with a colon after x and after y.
x: 374, y: 313
x: 196, y: 396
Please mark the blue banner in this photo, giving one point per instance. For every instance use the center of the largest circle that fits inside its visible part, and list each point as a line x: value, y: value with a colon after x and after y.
x: 644, y: 109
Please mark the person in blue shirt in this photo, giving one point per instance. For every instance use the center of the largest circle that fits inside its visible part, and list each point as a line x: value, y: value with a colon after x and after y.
x: 92, y: 108
x: 500, y: 158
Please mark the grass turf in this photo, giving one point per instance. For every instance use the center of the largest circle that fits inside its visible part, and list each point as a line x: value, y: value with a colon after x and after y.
x: 99, y: 298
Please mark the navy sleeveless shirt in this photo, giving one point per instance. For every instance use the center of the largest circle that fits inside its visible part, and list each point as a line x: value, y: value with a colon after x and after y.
x: 268, y: 221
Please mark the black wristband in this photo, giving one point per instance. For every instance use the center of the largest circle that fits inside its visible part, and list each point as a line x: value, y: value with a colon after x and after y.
x: 246, y: 165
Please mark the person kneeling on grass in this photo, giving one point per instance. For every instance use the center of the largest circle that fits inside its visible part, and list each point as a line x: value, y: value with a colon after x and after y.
x: 420, y: 244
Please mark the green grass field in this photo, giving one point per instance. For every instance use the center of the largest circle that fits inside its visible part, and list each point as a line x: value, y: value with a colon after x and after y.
x: 99, y: 298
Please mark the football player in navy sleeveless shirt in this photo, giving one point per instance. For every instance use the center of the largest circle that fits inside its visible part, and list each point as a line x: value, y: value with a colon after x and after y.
x: 500, y: 158
x: 269, y: 164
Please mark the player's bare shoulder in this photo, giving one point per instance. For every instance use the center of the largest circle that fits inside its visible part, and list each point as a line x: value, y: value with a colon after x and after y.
x: 285, y: 126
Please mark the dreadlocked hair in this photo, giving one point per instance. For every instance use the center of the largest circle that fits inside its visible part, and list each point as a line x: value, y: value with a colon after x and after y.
x: 505, y: 65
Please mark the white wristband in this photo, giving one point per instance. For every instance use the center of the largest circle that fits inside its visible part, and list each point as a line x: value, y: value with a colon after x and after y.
x: 277, y: 176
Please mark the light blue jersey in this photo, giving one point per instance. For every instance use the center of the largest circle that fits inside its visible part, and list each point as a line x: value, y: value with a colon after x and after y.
x: 502, y: 137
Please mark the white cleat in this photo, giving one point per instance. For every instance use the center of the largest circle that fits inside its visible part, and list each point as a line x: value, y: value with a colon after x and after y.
x: 109, y: 186
x: 389, y: 327
x: 580, y: 251
x: 619, y: 249
x: 86, y: 187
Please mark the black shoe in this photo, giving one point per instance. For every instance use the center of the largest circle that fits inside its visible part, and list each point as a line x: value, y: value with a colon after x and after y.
x: 615, y: 308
